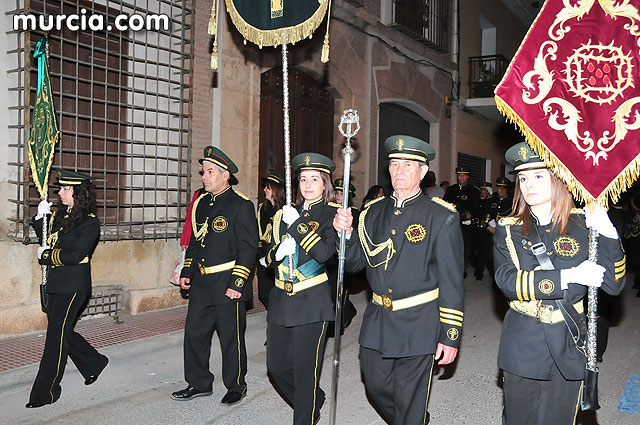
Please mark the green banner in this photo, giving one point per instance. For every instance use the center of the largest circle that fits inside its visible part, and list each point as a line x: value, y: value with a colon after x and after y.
x: 44, y: 125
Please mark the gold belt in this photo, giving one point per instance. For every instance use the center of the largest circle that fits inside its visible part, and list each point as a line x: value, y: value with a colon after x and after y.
x: 543, y: 313
x: 390, y: 304
x: 291, y: 288
x: 217, y: 268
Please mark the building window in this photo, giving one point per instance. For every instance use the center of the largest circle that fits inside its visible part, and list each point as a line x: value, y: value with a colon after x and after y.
x: 124, y: 103
x: 485, y: 73
x: 428, y: 21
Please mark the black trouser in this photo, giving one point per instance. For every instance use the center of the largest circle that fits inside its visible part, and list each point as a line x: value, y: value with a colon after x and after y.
x: 230, y: 321
x: 535, y: 402
x: 294, y: 361
x: 398, y: 386
x: 63, y: 311
x: 467, y: 239
x: 266, y: 282
x: 484, y: 249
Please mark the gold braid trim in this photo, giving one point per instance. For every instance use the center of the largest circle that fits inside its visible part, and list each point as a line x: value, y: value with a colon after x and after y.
x: 451, y: 207
x: 279, y: 36
x: 511, y: 247
x: 614, y: 189
x: 365, y: 241
x: 199, y: 231
x: 277, y: 220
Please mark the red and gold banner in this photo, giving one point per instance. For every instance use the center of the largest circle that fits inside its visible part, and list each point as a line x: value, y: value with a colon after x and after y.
x: 573, y: 89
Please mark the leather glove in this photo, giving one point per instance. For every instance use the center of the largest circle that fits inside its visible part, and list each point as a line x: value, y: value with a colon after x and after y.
x: 41, y: 249
x: 44, y: 208
x: 586, y: 273
x: 599, y: 220
x: 287, y: 247
x: 263, y: 262
x: 466, y: 222
x: 289, y: 214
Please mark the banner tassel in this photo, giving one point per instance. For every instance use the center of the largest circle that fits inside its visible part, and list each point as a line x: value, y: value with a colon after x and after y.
x: 213, y: 31
x: 324, y: 57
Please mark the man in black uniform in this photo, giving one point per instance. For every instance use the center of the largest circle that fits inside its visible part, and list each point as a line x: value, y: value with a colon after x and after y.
x: 411, y: 248
x: 465, y: 197
x: 218, y: 262
x: 496, y: 206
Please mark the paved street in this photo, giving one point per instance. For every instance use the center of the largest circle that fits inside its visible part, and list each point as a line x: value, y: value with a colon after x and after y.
x: 136, y: 385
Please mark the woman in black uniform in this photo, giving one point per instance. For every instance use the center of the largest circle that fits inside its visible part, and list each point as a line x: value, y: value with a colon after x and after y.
x: 541, y: 266
x: 73, y: 234
x: 300, y: 306
x: 273, y: 186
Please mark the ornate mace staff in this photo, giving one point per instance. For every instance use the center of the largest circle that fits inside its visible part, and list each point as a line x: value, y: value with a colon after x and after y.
x: 287, y: 139
x: 349, y: 127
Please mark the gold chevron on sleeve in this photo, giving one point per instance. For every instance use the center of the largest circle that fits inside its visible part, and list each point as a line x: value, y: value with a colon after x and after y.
x: 532, y: 287
x: 518, y: 283
x: 451, y: 316
x: 621, y: 262
x: 309, y: 241
x: 452, y: 311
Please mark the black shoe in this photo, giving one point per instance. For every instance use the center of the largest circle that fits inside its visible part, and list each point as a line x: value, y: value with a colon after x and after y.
x: 316, y: 420
x: 189, y: 393
x: 93, y: 378
x: 31, y: 405
x: 232, y: 397
x: 427, y: 418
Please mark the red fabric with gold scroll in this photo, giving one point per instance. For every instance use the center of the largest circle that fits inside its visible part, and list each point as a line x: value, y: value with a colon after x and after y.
x: 573, y: 89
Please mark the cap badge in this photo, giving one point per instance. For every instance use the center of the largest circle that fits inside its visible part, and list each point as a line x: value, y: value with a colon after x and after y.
x: 523, y: 153
x: 400, y: 144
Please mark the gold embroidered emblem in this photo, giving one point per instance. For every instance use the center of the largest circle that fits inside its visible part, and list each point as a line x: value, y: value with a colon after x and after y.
x: 463, y: 197
x: 307, y: 160
x: 277, y: 9
x: 566, y: 246
x: 523, y: 153
x: 208, y: 151
x: 546, y: 286
x: 314, y: 225
x: 239, y: 283
x: 302, y: 228
x: 387, y: 302
x: 415, y: 233
x: 219, y: 224
x: 453, y: 334
x: 400, y: 144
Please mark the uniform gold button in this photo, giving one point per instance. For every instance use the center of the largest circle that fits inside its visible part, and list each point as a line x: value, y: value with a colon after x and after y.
x: 390, y: 290
x: 549, y: 253
x: 211, y: 204
x: 306, y: 214
x: 529, y: 243
x: 397, y: 212
x: 393, y: 231
x: 548, y: 230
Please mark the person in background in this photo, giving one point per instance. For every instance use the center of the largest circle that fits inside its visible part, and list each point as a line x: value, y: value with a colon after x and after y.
x: 431, y: 189
x: 445, y: 185
x: 74, y: 231
x: 482, y: 238
x: 274, y: 194
x: 374, y: 192
x: 541, y: 265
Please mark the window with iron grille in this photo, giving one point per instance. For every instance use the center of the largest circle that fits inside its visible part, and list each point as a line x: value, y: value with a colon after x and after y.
x: 427, y: 21
x: 124, y: 106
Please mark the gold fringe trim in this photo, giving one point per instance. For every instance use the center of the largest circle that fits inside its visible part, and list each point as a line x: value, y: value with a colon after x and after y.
x: 614, y: 189
x: 273, y: 38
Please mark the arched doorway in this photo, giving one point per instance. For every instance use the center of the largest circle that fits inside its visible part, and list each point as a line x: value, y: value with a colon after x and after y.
x: 310, y: 116
x: 397, y: 119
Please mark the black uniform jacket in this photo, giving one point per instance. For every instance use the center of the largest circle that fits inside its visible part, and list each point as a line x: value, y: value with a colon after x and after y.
x: 528, y: 347
x: 466, y: 199
x: 224, y: 231
x: 409, y: 248
x: 493, y: 208
x: 316, y: 239
x: 265, y: 224
x: 69, y: 255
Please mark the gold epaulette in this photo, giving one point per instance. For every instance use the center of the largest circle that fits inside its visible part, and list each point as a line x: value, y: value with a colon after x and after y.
x: 334, y: 204
x: 443, y: 203
x: 242, y: 195
x: 577, y: 211
x: 508, y: 221
x: 373, y: 201
x: 355, y: 208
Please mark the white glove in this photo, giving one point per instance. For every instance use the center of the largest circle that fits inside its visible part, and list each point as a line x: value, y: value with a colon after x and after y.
x: 41, y: 249
x: 586, y: 273
x: 287, y: 247
x: 466, y: 222
x: 492, y: 223
x: 44, y: 208
x: 599, y: 220
x: 263, y: 262
x: 289, y: 214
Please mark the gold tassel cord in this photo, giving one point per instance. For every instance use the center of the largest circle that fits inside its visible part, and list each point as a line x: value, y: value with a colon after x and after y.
x: 273, y: 38
x: 324, y: 57
x: 213, y: 30
x: 614, y: 189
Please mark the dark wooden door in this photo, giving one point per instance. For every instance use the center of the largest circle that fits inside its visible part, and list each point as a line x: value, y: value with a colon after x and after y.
x: 310, y: 117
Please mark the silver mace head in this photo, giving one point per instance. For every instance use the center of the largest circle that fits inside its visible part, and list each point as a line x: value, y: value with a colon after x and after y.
x: 348, y: 120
